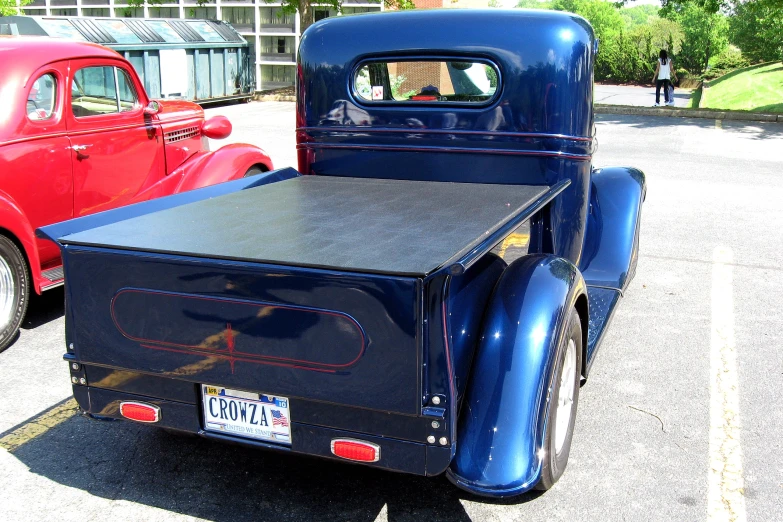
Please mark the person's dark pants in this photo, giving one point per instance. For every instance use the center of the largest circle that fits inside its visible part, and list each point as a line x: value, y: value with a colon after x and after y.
x: 665, y: 84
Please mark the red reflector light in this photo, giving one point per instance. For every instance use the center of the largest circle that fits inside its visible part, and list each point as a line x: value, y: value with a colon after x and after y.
x: 140, y: 412
x: 357, y: 450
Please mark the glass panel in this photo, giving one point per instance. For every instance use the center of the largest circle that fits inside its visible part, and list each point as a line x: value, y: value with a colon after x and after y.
x: 164, y: 12
x: 239, y: 17
x: 165, y: 30
x: 276, y: 44
x: 61, y: 29
x: 283, y: 74
x: 42, y: 98
x: 93, y: 92
x: 275, y: 16
x: 64, y: 12
x: 87, y: 11
x: 426, y: 81
x: 128, y: 99
x: 201, y: 13
x: 119, y: 31
x: 206, y: 32
x: 129, y: 12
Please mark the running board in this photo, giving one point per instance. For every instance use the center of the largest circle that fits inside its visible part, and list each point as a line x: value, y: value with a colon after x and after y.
x: 55, y: 276
x: 601, y: 303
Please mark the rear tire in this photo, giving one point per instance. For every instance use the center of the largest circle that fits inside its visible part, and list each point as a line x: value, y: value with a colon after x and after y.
x: 14, y: 291
x: 255, y: 170
x: 563, y: 400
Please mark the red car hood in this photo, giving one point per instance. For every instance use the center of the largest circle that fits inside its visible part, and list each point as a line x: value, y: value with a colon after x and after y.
x: 172, y: 110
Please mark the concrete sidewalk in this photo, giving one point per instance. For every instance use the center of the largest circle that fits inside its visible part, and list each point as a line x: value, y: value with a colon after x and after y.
x: 637, y: 96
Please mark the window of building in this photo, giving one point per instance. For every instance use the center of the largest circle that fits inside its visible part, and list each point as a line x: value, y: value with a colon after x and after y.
x: 278, y: 74
x: 276, y: 44
x: 92, y: 11
x: 356, y: 10
x: 64, y: 12
x: 320, y: 14
x: 242, y: 18
x: 274, y: 16
x: 164, y: 12
x: 201, y: 13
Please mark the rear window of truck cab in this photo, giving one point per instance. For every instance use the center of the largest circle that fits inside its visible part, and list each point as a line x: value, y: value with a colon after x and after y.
x: 463, y: 81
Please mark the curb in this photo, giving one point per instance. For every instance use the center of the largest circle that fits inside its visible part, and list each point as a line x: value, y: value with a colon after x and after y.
x: 600, y: 108
x: 712, y: 114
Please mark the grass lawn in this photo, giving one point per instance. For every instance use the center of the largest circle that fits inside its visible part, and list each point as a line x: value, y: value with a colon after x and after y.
x: 758, y: 88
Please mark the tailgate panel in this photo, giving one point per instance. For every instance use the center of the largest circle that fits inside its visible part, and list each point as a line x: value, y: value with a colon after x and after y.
x: 342, y: 338
x: 241, y: 330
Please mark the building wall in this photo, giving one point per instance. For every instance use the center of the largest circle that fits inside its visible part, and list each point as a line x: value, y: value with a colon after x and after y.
x: 274, y: 39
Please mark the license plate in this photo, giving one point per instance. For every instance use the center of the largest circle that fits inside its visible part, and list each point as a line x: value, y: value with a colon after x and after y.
x: 246, y: 414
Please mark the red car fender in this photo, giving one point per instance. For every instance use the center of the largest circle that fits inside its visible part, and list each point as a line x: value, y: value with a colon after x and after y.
x: 225, y: 164
x: 15, y: 223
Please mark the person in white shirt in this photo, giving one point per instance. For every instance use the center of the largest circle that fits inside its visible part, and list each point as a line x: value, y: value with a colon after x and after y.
x: 664, y: 74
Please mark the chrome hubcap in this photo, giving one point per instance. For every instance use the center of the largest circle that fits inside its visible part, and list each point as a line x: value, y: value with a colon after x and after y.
x: 6, y: 293
x: 565, y: 396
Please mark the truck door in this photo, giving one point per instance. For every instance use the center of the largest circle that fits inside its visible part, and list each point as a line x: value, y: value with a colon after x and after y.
x: 116, y: 150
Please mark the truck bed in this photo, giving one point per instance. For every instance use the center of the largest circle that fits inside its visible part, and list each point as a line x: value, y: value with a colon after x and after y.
x: 407, y: 228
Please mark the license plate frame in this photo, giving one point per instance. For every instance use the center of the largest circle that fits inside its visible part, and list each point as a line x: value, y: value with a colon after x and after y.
x: 230, y: 412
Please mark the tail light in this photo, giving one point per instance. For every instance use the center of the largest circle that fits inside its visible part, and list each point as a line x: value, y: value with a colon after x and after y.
x: 140, y: 412
x: 357, y: 450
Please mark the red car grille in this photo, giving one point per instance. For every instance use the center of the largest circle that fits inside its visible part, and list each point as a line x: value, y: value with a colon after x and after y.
x: 181, y: 134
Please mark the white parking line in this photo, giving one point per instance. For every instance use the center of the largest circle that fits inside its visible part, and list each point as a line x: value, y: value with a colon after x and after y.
x: 726, y: 496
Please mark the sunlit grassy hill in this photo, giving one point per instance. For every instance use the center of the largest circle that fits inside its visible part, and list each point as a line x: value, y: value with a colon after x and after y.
x: 758, y: 88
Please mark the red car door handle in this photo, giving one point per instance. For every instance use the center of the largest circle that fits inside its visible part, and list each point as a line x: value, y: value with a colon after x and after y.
x: 79, y: 154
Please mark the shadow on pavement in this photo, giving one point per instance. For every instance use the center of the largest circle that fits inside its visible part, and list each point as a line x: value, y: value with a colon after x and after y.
x: 206, y: 479
x: 44, y: 308
x: 753, y: 129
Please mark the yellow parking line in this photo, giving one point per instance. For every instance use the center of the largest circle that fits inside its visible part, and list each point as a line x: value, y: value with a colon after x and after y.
x: 718, y: 124
x: 39, y: 425
x: 726, y: 492
x: 514, y: 240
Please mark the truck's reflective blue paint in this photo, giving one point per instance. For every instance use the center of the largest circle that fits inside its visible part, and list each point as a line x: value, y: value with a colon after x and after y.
x: 538, y: 131
x: 501, y: 425
x: 455, y: 373
x: 610, y: 252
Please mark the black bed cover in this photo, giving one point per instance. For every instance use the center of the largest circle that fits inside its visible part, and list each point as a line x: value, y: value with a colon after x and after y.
x: 384, y: 226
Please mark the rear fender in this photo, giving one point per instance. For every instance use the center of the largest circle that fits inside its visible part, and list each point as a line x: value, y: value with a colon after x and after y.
x: 612, y: 239
x: 502, y: 422
x: 227, y: 163
x: 13, y: 220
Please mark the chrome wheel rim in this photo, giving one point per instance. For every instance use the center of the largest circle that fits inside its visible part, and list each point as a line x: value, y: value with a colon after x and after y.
x: 7, y: 300
x: 565, y: 396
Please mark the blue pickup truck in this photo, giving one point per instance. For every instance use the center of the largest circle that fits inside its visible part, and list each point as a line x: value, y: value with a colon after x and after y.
x: 425, y: 294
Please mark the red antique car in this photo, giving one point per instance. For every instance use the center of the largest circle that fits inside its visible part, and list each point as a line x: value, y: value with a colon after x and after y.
x: 79, y: 135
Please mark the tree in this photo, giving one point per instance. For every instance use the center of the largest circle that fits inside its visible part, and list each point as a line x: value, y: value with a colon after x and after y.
x: 9, y: 7
x: 534, y: 4
x: 705, y: 35
x: 609, y: 28
x: 757, y: 29
x: 306, y: 8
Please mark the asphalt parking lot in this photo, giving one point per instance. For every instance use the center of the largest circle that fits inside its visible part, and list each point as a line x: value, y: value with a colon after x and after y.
x: 681, y: 418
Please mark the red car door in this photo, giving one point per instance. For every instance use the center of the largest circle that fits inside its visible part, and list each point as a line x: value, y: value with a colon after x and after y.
x: 116, y: 150
x: 37, y: 177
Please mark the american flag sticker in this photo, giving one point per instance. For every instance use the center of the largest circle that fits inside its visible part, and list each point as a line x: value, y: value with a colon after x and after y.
x: 278, y: 419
